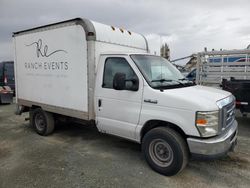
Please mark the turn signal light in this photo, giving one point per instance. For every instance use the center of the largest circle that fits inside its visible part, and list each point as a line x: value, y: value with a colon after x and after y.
x: 201, y: 121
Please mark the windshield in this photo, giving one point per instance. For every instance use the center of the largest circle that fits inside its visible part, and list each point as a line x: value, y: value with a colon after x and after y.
x: 158, y: 71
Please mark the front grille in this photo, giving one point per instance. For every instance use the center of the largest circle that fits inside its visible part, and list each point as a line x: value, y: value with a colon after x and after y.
x: 228, y: 115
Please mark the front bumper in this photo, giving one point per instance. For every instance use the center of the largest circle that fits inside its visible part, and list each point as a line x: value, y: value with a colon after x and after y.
x: 215, y: 146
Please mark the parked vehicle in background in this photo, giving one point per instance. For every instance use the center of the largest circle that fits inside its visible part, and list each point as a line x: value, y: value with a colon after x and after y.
x: 7, y: 77
x: 214, y: 66
x: 7, y: 82
x: 191, y: 75
x: 241, y: 90
x: 229, y: 69
x: 6, y: 95
x: 94, y: 73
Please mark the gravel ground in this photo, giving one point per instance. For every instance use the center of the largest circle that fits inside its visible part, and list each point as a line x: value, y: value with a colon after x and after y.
x: 80, y: 156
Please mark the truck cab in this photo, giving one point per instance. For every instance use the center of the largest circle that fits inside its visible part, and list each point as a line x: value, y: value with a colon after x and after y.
x: 144, y: 98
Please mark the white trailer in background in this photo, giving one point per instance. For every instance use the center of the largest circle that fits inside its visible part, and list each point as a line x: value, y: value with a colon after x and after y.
x: 87, y: 71
x: 229, y: 70
x: 214, y: 66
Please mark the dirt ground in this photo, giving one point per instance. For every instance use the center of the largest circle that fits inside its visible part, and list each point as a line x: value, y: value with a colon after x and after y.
x: 80, y: 156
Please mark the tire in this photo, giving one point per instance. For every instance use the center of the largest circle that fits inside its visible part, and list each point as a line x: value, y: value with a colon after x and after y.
x: 165, y: 151
x: 42, y: 121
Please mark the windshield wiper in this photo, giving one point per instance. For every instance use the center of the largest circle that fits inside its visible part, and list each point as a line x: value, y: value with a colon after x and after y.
x: 182, y: 79
x: 187, y: 81
x: 167, y: 80
x: 161, y: 80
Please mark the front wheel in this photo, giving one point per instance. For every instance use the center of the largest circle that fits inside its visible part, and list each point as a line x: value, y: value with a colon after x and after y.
x: 165, y: 151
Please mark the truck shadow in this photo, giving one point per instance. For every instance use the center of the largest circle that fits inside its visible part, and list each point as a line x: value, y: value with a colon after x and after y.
x: 89, y: 133
x: 243, y: 126
x: 87, y: 137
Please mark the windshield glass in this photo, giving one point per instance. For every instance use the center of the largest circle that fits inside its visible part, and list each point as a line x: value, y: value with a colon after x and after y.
x: 158, y: 71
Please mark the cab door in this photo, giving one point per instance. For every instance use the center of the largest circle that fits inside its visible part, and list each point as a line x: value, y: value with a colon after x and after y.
x: 118, y: 111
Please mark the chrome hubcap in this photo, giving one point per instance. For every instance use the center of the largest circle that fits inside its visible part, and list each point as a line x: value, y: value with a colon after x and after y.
x: 40, y: 122
x: 161, y: 152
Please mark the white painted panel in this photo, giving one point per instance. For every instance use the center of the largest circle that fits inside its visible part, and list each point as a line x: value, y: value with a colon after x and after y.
x: 105, y: 33
x: 108, y: 48
x: 52, y: 67
x: 120, y: 109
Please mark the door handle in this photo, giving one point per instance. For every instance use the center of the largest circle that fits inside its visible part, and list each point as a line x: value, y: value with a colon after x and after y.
x: 151, y: 101
x: 99, y: 102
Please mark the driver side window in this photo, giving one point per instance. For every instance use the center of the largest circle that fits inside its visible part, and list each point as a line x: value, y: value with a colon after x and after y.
x: 115, y: 65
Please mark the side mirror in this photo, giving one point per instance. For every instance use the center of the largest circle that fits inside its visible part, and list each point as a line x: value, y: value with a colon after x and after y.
x: 119, y: 81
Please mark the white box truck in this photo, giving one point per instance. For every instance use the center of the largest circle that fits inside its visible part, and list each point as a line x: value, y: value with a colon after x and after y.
x: 87, y: 71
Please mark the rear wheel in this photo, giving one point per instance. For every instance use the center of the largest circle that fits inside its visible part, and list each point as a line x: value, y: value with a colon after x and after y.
x: 42, y: 121
x: 165, y: 150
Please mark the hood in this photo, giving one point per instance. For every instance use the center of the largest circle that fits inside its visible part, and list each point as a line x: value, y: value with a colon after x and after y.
x: 194, y: 98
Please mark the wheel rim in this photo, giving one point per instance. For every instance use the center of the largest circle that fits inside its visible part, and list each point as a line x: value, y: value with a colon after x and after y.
x: 40, y: 122
x: 160, y: 152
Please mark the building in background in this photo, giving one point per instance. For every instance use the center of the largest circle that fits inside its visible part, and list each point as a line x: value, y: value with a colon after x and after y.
x: 165, y: 51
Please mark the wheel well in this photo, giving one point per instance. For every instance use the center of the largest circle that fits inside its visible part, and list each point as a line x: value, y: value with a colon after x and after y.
x: 158, y: 123
x: 34, y: 107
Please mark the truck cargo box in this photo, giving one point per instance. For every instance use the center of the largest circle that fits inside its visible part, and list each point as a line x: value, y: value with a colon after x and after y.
x: 55, y: 64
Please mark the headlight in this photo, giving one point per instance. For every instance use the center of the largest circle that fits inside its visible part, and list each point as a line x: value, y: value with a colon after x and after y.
x: 207, y: 123
x: 225, y: 101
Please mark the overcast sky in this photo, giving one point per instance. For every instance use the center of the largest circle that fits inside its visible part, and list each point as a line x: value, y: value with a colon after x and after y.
x: 186, y: 25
